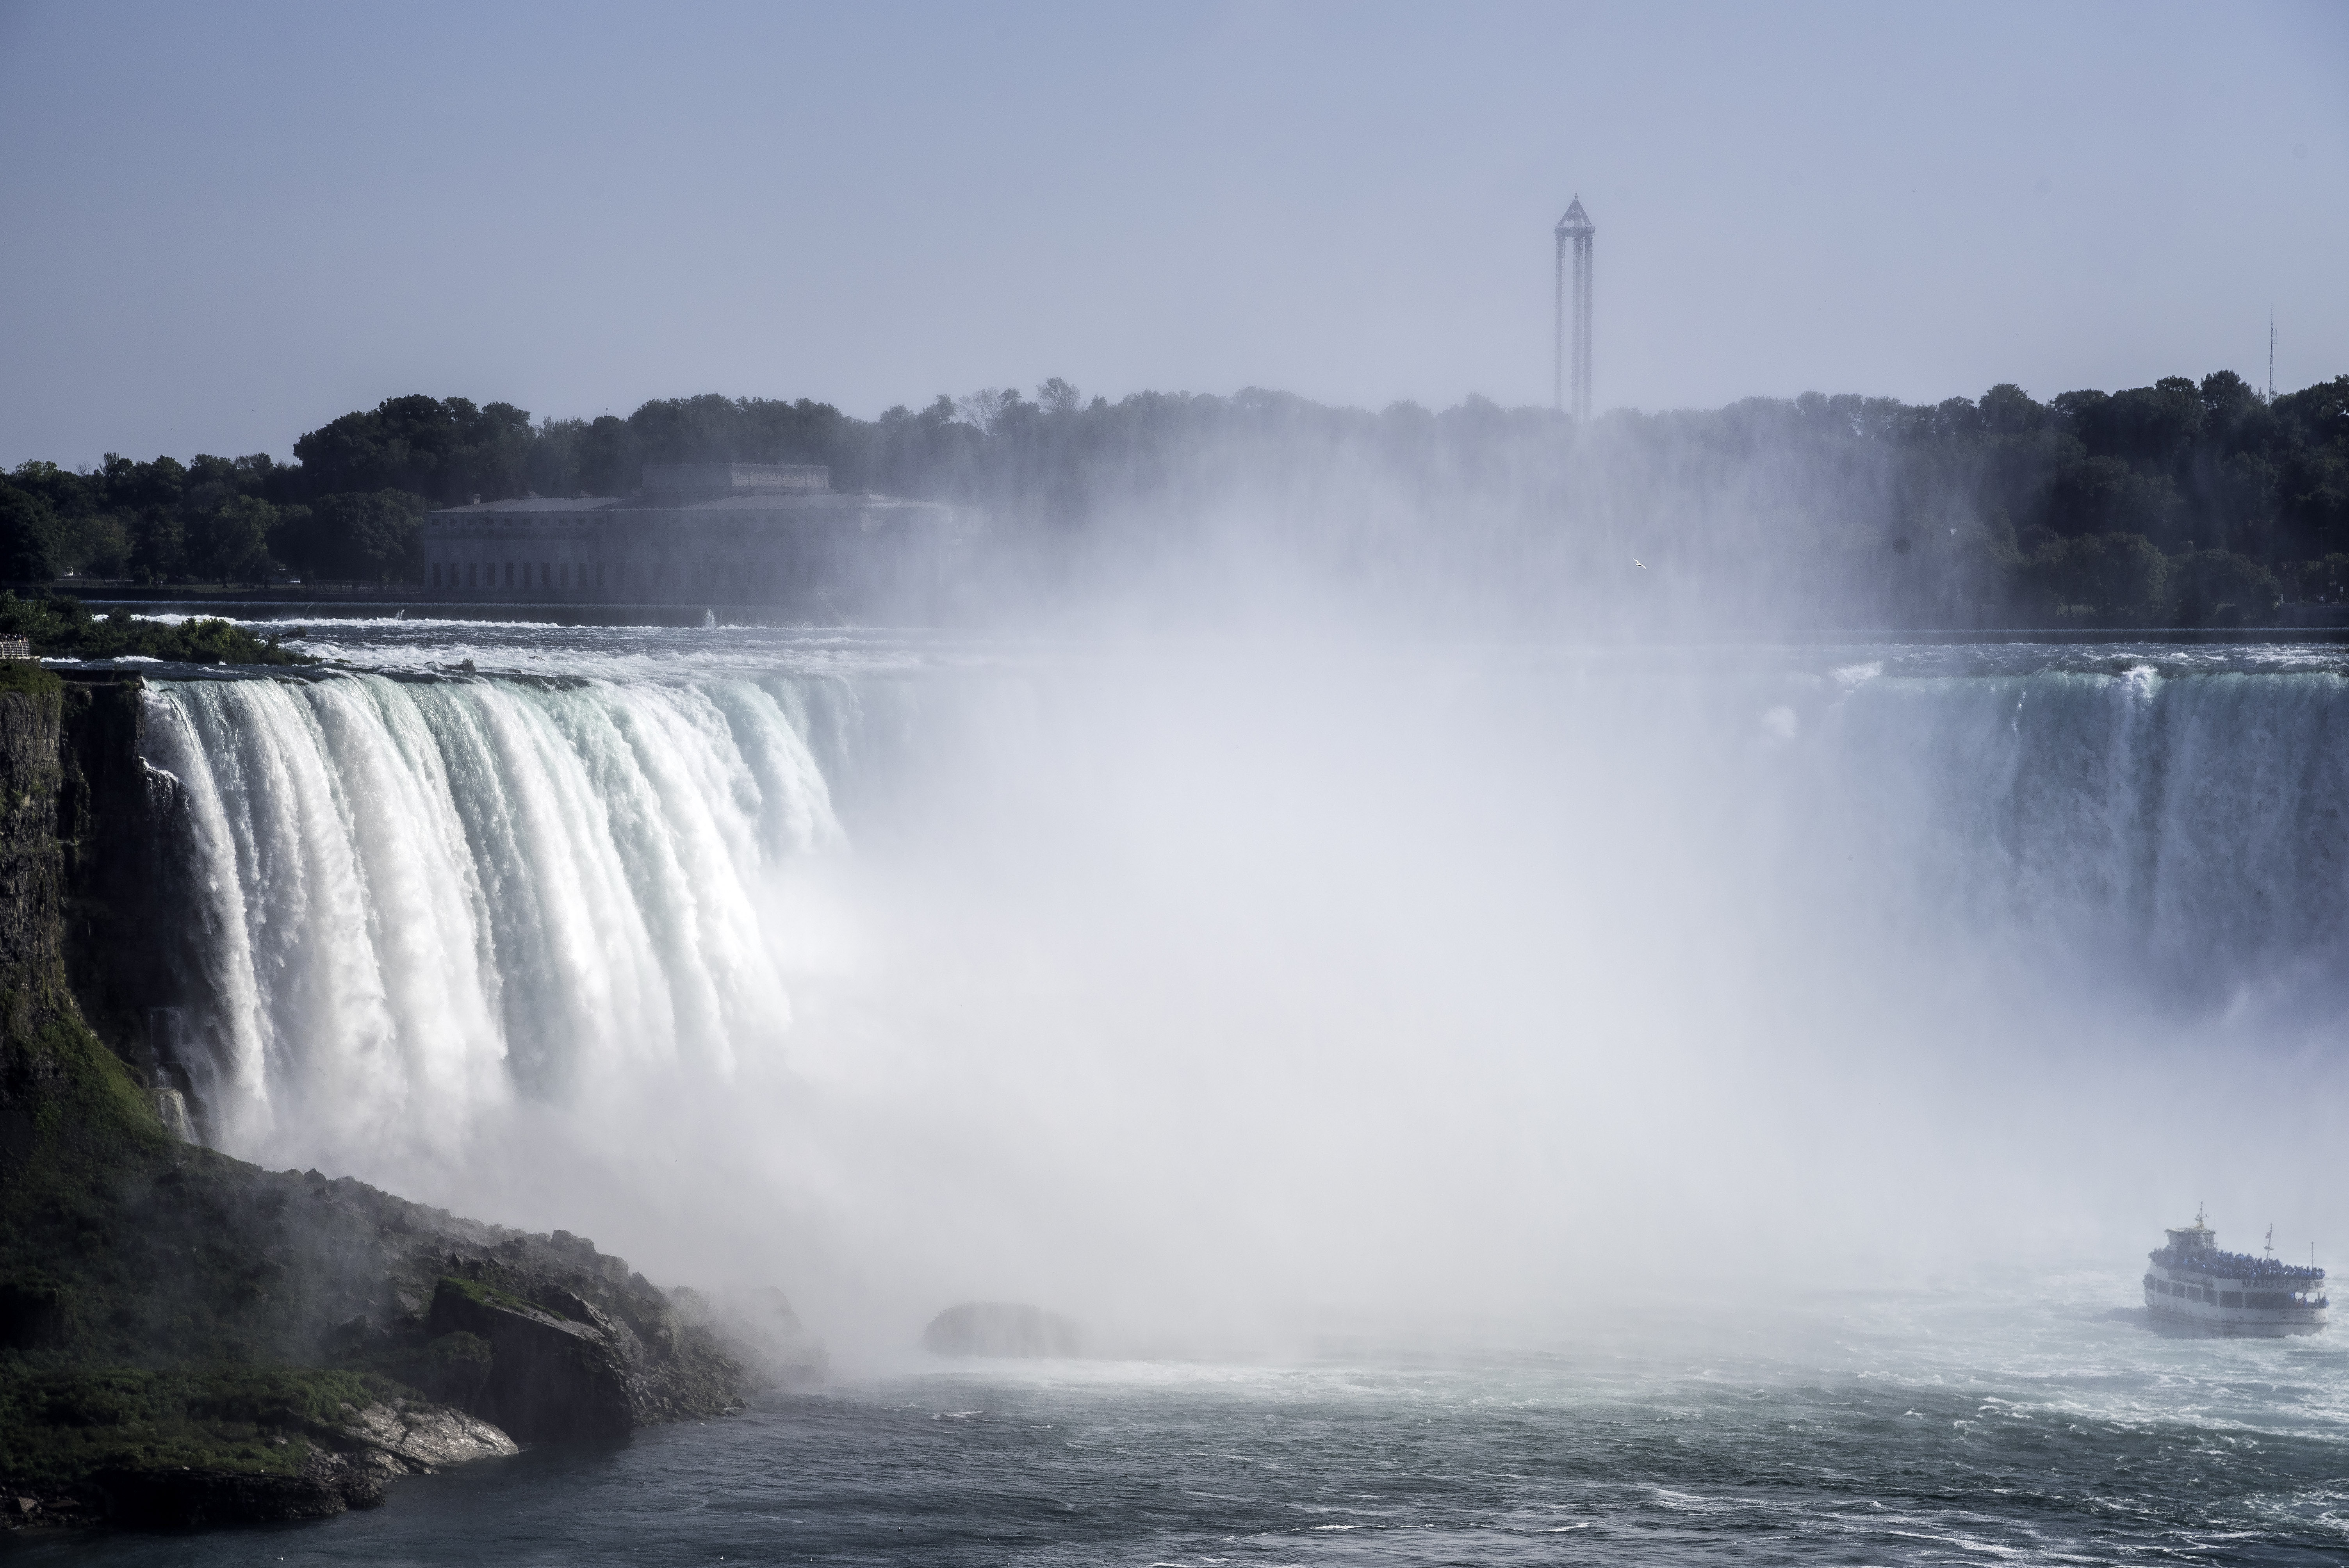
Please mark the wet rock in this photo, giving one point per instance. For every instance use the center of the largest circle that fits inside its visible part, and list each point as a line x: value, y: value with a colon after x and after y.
x: 1001, y: 1328
x: 550, y: 1375
x: 426, y: 1437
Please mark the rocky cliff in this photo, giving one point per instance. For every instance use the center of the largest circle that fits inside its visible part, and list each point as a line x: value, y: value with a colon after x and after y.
x: 188, y: 1338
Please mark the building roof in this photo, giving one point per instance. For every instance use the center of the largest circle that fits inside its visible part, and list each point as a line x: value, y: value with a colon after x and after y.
x: 741, y: 491
x: 697, y: 503
x: 735, y: 479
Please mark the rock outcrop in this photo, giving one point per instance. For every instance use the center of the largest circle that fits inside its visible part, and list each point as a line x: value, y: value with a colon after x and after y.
x: 1001, y: 1328
x: 346, y: 1464
x: 550, y: 1373
x: 423, y: 1437
x: 132, y: 1259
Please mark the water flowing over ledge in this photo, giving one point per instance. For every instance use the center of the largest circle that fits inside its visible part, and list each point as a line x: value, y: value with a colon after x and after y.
x: 529, y: 936
x: 417, y: 901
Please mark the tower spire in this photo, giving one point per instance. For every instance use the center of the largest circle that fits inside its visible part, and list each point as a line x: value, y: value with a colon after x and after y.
x: 1575, y: 227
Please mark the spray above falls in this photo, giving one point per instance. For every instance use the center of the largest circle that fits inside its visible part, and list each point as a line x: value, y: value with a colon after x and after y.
x: 1320, y: 968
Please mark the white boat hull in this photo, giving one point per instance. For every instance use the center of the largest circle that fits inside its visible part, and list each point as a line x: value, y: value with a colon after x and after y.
x: 2206, y: 1307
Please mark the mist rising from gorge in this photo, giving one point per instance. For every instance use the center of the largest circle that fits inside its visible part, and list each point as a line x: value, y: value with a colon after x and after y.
x: 1329, y: 872
x: 1224, y: 991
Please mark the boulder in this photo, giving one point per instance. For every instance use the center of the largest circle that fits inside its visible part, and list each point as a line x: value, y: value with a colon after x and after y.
x: 425, y: 1437
x: 551, y: 1375
x: 1001, y: 1328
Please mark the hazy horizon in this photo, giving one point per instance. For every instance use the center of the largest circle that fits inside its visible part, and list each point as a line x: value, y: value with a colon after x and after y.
x: 229, y: 229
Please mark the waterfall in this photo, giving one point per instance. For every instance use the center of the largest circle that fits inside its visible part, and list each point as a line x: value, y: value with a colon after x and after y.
x: 2183, y: 835
x: 415, y: 901
x: 1127, y: 946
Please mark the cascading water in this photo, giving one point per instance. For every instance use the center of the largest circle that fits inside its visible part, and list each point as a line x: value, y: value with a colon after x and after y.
x: 417, y: 901
x: 2183, y: 835
x: 1140, y: 950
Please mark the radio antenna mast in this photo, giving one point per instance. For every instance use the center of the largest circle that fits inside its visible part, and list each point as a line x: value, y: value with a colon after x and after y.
x: 2271, y: 353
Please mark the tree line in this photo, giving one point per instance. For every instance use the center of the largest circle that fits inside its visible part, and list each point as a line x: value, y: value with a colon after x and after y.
x: 2188, y: 502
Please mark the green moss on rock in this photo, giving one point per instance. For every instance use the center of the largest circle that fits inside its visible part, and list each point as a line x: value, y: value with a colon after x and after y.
x: 59, y: 1426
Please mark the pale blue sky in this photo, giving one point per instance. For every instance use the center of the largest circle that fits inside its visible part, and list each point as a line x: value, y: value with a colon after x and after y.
x: 225, y: 224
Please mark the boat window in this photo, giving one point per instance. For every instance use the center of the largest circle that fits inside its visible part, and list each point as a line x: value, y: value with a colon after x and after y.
x: 2230, y: 1298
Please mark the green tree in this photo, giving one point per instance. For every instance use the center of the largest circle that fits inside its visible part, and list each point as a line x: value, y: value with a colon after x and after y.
x: 229, y: 541
x: 449, y: 450
x: 374, y: 536
x: 96, y: 544
x: 2118, y: 578
x: 157, y: 544
x: 2105, y: 495
x: 608, y: 457
x: 2220, y: 588
x: 28, y: 537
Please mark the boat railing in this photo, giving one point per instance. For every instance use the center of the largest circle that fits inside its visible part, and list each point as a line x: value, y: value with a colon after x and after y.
x: 2235, y: 1265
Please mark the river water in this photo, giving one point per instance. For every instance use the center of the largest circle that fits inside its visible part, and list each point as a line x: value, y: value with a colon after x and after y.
x: 1999, y: 1425
x: 1485, y: 1104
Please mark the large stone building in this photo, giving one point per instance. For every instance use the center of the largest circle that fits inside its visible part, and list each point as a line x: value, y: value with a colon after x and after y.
x: 713, y: 535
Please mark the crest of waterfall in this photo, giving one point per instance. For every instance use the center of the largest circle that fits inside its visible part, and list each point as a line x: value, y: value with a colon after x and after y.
x: 417, y: 902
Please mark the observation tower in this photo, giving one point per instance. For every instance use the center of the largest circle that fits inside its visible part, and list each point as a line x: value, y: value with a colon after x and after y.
x: 1575, y: 226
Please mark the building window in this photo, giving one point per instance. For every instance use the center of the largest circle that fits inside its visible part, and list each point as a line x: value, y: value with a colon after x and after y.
x: 546, y: 574
x: 470, y: 570
x: 436, y: 574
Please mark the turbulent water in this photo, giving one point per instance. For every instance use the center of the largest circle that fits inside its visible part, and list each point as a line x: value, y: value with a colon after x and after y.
x: 1736, y: 1082
x: 2028, y: 1426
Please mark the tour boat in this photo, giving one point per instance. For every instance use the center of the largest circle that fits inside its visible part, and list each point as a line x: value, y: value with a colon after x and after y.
x: 2192, y: 1282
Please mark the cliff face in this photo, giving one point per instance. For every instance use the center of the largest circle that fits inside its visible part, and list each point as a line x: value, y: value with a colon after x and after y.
x: 130, y: 1260
x: 40, y: 1051
x: 32, y: 859
x: 119, y: 937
